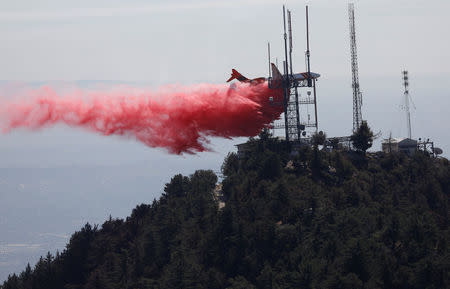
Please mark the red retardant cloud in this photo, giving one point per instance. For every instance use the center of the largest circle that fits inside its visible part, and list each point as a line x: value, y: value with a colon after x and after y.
x: 177, y: 118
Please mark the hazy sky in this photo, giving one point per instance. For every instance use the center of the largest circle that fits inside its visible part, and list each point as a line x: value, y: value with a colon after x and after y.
x: 191, y: 41
x: 160, y: 42
x: 164, y: 42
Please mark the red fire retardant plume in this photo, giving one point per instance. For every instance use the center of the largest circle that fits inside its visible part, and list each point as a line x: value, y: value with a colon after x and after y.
x: 177, y: 118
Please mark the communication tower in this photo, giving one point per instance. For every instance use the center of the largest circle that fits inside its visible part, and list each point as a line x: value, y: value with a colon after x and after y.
x: 406, y: 107
x: 294, y: 102
x: 357, y: 95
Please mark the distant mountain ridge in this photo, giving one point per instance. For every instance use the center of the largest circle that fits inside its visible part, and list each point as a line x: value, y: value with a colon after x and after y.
x: 312, y: 219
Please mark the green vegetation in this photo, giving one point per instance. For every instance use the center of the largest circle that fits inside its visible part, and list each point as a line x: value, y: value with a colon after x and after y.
x: 362, y: 139
x: 311, y: 220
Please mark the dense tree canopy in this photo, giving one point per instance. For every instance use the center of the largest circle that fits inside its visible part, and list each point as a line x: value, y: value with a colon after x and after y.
x: 309, y: 219
x: 362, y: 139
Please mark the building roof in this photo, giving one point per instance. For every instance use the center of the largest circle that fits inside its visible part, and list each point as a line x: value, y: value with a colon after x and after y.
x: 400, y: 141
x: 393, y: 140
x: 408, y: 142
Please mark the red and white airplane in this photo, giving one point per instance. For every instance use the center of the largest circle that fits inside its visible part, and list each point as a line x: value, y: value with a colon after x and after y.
x: 276, y: 76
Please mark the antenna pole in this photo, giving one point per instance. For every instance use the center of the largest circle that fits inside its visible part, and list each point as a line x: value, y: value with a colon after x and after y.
x: 290, y: 40
x: 297, y: 108
x: 315, y: 105
x: 268, y: 50
x: 285, y: 42
x: 286, y: 84
x: 285, y: 103
x: 406, y: 93
x: 307, y: 48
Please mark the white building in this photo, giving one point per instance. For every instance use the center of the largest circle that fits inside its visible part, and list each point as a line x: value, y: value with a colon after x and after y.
x: 405, y: 145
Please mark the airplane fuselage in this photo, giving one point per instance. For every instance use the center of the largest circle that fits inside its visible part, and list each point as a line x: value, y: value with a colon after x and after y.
x: 304, y: 75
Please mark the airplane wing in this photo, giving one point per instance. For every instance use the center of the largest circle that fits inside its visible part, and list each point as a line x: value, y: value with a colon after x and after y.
x: 238, y: 76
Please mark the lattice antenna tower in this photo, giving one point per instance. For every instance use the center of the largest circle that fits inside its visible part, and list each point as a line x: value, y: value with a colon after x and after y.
x: 406, y: 94
x: 357, y: 95
x: 291, y: 83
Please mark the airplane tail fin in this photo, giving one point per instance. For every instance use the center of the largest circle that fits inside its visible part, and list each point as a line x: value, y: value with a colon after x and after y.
x: 276, y: 75
x: 238, y: 76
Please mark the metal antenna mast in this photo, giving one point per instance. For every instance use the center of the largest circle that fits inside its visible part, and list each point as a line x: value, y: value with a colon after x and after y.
x: 293, y: 105
x: 311, y: 81
x: 286, y: 85
x: 308, y: 64
x: 357, y: 95
x: 292, y: 83
x: 406, y: 93
x: 268, y: 52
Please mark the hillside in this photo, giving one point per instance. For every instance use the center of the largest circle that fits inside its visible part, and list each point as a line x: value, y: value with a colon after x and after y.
x: 314, y: 220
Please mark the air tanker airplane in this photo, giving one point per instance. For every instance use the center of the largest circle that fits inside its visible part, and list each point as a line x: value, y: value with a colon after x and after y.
x: 276, y: 76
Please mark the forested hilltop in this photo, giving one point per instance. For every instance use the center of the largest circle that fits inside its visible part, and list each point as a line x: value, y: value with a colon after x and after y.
x: 312, y: 220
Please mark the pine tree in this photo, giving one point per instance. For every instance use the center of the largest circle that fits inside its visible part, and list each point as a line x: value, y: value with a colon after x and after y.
x: 362, y: 139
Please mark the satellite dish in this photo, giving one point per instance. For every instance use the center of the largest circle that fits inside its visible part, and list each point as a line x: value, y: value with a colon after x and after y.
x: 304, y: 133
x: 438, y: 151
